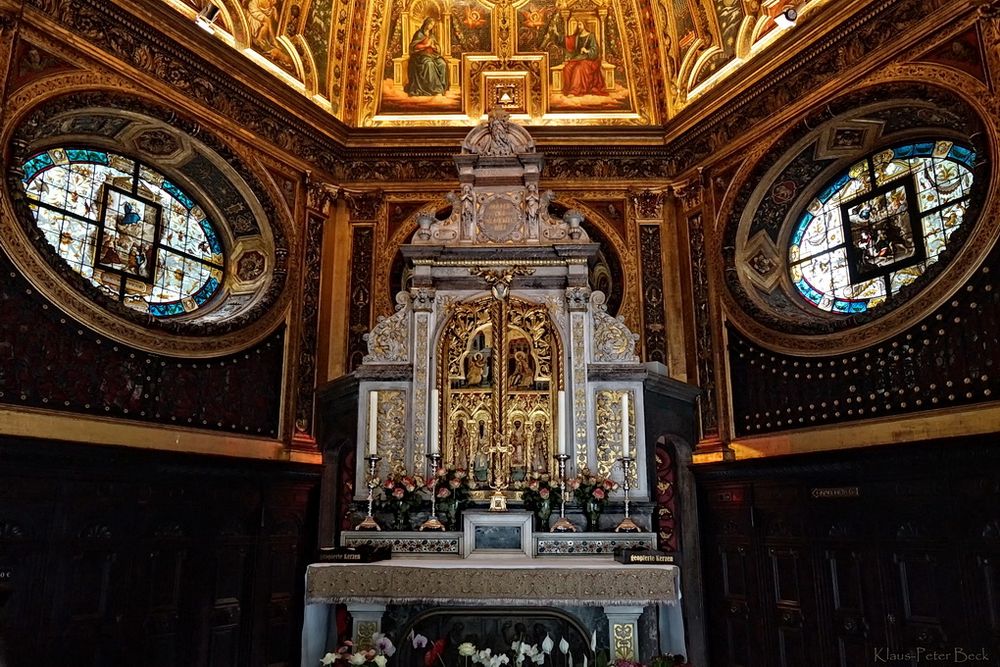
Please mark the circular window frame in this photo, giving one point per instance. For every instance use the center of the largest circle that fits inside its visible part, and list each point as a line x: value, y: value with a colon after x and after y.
x: 797, y: 327
x: 224, y: 328
x: 827, y: 176
x: 216, y: 298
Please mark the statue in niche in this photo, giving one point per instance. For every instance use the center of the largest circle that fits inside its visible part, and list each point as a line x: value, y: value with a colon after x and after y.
x: 522, y: 376
x: 475, y: 375
x: 481, y: 462
x: 517, y: 447
x: 477, y: 362
x: 498, y: 125
x: 539, y: 448
x: 460, y: 447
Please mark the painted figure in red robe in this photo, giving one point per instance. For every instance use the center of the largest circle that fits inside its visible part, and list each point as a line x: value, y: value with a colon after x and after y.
x: 582, y: 73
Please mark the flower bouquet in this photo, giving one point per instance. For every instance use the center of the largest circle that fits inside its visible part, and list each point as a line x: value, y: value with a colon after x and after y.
x: 451, y: 487
x: 379, y: 654
x: 540, y: 495
x: 400, y: 496
x: 592, y: 491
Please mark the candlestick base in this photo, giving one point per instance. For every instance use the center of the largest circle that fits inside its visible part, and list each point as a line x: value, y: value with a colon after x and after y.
x: 498, y: 501
x: 627, y: 525
x: 432, y: 524
x: 563, y: 525
x: 369, y: 523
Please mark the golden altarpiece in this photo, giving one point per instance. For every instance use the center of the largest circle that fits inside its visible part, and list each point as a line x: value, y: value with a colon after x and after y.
x: 501, y: 360
x: 499, y: 355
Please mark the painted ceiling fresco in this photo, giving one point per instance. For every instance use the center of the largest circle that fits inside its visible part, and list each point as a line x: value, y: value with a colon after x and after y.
x: 447, y: 62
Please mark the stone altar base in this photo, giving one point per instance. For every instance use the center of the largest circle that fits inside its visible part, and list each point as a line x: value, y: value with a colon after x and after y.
x: 632, y: 609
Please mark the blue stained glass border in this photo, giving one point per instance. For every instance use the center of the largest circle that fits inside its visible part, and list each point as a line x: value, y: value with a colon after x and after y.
x: 206, y: 291
x: 86, y: 155
x: 35, y: 165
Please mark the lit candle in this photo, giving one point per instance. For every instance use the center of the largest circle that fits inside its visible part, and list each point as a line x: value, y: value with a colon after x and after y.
x: 625, y: 439
x: 373, y: 423
x: 434, y: 446
x: 561, y: 416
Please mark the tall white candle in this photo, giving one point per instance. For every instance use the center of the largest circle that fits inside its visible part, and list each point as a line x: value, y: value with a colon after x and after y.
x: 434, y: 445
x: 625, y: 424
x: 561, y: 416
x: 373, y: 423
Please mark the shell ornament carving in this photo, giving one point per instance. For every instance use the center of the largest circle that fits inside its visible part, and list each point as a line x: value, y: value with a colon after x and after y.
x: 613, y: 340
x: 387, y: 341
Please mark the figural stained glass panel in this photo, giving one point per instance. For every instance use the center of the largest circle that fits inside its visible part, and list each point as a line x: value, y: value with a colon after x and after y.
x: 126, y: 228
x: 876, y: 228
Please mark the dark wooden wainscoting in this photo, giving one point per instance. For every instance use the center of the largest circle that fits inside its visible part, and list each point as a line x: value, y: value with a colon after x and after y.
x: 115, y: 556
x: 886, y: 556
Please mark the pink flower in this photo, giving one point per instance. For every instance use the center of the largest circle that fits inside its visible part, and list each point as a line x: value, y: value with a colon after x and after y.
x: 599, y: 493
x: 443, y: 492
x: 608, y: 484
x: 441, y: 472
x: 574, y: 484
x: 389, y: 484
x: 544, y: 493
x: 455, y: 483
x: 460, y: 473
x: 398, y: 493
x: 533, y: 485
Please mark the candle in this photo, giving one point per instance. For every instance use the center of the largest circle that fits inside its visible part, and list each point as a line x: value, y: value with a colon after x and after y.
x: 561, y: 416
x: 626, y: 450
x: 373, y: 423
x: 434, y: 446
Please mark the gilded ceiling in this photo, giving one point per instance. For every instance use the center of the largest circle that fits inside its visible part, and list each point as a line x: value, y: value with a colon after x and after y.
x: 446, y: 62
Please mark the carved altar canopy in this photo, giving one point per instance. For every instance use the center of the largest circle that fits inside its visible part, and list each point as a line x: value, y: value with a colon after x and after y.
x: 497, y: 329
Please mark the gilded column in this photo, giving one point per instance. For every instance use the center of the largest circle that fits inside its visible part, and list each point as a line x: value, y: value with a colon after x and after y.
x: 577, y: 303
x: 423, y: 375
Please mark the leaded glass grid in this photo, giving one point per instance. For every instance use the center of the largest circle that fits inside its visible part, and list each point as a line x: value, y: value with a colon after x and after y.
x: 877, y: 227
x: 126, y: 228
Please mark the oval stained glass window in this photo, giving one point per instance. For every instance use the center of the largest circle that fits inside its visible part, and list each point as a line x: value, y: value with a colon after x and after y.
x: 878, y: 226
x: 126, y: 228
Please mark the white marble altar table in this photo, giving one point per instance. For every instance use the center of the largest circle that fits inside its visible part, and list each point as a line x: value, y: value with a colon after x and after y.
x: 622, y: 590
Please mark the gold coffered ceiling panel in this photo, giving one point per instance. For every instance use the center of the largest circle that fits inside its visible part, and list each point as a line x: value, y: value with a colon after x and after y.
x: 548, y: 62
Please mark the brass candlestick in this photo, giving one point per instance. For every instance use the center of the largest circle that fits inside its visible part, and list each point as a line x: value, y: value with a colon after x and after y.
x: 562, y: 525
x: 627, y: 525
x: 433, y: 523
x: 369, y: 522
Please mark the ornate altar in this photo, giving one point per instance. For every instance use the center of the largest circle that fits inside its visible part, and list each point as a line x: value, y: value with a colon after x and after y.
x: 499, y: 355
x: 501, y: 360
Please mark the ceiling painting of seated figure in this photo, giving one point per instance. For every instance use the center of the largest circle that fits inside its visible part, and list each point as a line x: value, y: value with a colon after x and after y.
x: 412, y: 63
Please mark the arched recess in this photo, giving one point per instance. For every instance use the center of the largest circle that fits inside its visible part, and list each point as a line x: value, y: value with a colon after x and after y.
x: 768, y: 194
x: 67, y: 111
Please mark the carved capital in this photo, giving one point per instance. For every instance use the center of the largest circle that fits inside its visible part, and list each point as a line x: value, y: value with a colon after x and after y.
x: 691, y: 193
x: 577, y: 298
x: 422, y: 299
x: 364, y: 205
x: 320, y: 196
x: 648, y: 204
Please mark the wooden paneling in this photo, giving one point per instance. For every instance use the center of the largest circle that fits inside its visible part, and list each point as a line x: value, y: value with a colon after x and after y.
x: 126, y: 557
x: 843, y: 559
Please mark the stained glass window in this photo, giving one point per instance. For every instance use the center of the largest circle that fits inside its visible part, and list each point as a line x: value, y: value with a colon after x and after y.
x: 877, y: 227
x: 126, y: 228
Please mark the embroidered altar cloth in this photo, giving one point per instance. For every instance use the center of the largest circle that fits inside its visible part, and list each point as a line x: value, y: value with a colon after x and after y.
x: 493, y: 580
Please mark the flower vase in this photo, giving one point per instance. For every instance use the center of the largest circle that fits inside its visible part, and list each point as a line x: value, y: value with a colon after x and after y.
x: 448, y: 515
x: 543, y: 513
x: 592, y: 511
x: 401, y: 518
